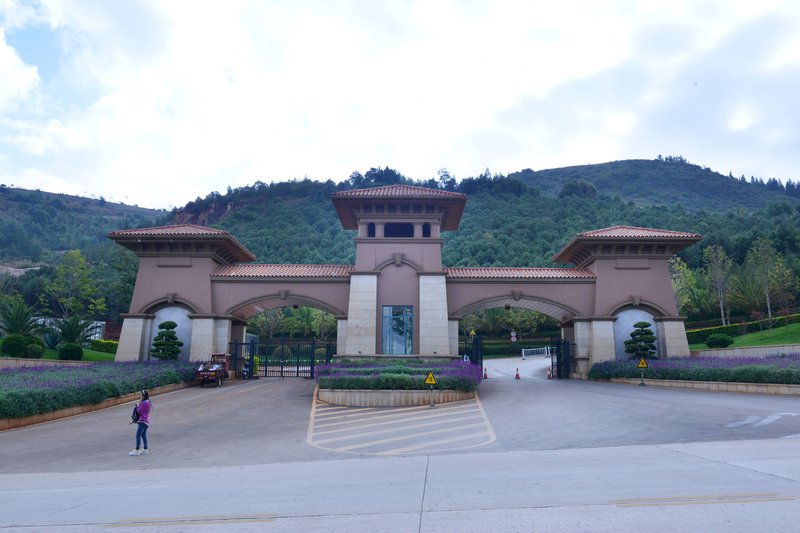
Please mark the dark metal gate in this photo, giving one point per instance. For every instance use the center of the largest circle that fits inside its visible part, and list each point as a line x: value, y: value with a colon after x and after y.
x: 472, y: 348
x: 280, y: 358
x: 562, y: 359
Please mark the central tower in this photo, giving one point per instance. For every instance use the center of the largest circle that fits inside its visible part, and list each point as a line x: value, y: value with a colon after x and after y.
x: 399, y: 245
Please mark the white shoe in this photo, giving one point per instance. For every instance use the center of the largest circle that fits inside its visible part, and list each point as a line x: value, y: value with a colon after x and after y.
x: 135, y: 452
x: 145, y: 452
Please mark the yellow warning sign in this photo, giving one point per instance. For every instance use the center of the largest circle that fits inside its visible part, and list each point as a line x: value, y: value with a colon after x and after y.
x: 430, y: 380
x: 642, y: 363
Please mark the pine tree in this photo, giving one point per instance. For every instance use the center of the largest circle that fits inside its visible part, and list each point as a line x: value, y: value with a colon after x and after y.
x: 166, y: 344
x: 642, y: 343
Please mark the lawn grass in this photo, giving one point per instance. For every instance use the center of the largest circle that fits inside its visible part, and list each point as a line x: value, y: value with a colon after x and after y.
x: 88, y: 355
x: 769, y: 337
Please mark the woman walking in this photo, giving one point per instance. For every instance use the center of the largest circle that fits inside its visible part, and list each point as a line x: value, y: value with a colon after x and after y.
x: 143, y: 422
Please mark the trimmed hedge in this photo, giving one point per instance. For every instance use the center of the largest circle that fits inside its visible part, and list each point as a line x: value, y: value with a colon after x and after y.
x: 99, y: 345
x: 16, y: 345
x: 698, y: 336
x: 778, y: 369
x: 34, y: 390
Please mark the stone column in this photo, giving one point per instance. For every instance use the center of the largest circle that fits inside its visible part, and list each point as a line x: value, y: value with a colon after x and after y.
x: 223, y: 330
x: 341, y: 336
x: 602, y: 346
x: 434, y: 328
x: 238, y: 334
x: 453, y: 336
x: 362, y: 315
x: 202, y: 337
x: 133, y: 341
x: 671, y: 333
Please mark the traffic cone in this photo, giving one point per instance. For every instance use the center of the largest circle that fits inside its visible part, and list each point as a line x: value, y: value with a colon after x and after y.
x: 517, y: 376
x: 549, y: 374
x: 485, y: 375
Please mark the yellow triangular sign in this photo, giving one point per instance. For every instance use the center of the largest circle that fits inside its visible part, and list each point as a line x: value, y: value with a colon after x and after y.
x: 430, y: 380
x: 642, y: 363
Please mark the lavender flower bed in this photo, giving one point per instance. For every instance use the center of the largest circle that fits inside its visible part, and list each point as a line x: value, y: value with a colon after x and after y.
x: 399, y: 374
x: 783, y: 369
x: 34, y: 390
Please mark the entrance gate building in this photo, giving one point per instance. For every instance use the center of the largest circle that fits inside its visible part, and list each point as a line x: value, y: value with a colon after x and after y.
x: 398, y: 298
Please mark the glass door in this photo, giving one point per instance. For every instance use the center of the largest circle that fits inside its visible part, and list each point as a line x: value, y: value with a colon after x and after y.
x: 397, y: 329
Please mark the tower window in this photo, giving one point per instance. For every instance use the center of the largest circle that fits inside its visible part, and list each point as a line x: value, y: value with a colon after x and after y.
x: 371, y: 229
x: 398, y: 229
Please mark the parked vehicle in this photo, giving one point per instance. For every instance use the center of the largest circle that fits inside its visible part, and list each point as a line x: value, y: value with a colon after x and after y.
x: 214, y: 371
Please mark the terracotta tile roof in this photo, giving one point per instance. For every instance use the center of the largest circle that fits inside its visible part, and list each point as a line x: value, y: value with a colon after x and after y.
x: 519, y: 273
x: 399, y: 191
x: 226, y: 244
x: 632, y: 232
x: 284, y: 271
x: 175, y: 229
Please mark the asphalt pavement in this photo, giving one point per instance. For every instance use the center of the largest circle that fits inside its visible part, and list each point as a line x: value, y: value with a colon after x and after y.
x: 529, y: 454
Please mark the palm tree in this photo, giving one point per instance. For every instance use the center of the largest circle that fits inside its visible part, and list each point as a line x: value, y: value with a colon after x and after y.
x: 18, y: 318
x: 74, y: 329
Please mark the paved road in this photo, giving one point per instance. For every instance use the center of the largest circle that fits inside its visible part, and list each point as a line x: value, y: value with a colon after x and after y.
x: 566, y: 456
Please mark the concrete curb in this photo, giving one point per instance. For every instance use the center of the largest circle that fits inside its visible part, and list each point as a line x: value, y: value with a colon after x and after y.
x: 389, y: 398
x: 11, y: 423
x: 716, y: 386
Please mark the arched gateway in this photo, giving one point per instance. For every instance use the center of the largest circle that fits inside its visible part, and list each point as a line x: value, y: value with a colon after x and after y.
x: 398, y: 298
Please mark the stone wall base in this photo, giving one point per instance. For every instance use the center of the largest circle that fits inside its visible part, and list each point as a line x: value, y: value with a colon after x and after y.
x: 716, y: 386
x: 389, y: 398
x: 10, y: 423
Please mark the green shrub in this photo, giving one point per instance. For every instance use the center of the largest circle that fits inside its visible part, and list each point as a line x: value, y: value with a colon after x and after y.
x: 719, y: 340
x: 283, y: 351
x: 70, y: 352
x: 34, y: 351
x: 320, y: 353
x: 15, y: 345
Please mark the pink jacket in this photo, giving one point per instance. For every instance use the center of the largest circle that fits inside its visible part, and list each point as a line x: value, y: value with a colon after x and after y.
x: 144, y: 412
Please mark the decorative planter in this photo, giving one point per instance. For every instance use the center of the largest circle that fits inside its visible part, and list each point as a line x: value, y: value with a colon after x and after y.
x: 389, y: 398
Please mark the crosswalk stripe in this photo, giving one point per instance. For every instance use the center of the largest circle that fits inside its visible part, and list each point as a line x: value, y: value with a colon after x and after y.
x: 388, y: 430
x: 398, y: 430
x: 434, y: 443
x: 404, y: 437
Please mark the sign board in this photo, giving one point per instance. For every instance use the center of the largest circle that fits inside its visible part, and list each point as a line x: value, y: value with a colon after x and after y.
x: 430, y: 380
x: 472, y: 333
x: 642, y: 363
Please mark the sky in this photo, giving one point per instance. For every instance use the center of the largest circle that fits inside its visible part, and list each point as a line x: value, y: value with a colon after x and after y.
x: 156, y: 103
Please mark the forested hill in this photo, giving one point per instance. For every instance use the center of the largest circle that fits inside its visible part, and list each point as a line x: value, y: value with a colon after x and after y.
x: 506, y: 221
x: 36, y: 226
x: 516, y: 220
x: 667, y: 180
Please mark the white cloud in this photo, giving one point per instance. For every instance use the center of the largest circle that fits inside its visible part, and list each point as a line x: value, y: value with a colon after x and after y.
x: 161, y: 102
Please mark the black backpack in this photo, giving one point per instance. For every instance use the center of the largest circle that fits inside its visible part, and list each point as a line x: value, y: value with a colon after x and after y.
x: 134, y: 415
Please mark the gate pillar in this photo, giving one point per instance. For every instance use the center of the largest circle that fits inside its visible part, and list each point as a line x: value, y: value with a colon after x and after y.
x: 204, y: 337
x: 341, y: 336
x: 453, y: 329
x: 434, y: 328
x: 594, y: 342
x: 671, y: 337
x: 134, y: 337
x: 362, y: 315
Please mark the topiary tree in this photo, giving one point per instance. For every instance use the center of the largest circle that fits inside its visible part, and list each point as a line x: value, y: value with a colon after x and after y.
x: 642, y: 342
x: 166, y: 344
